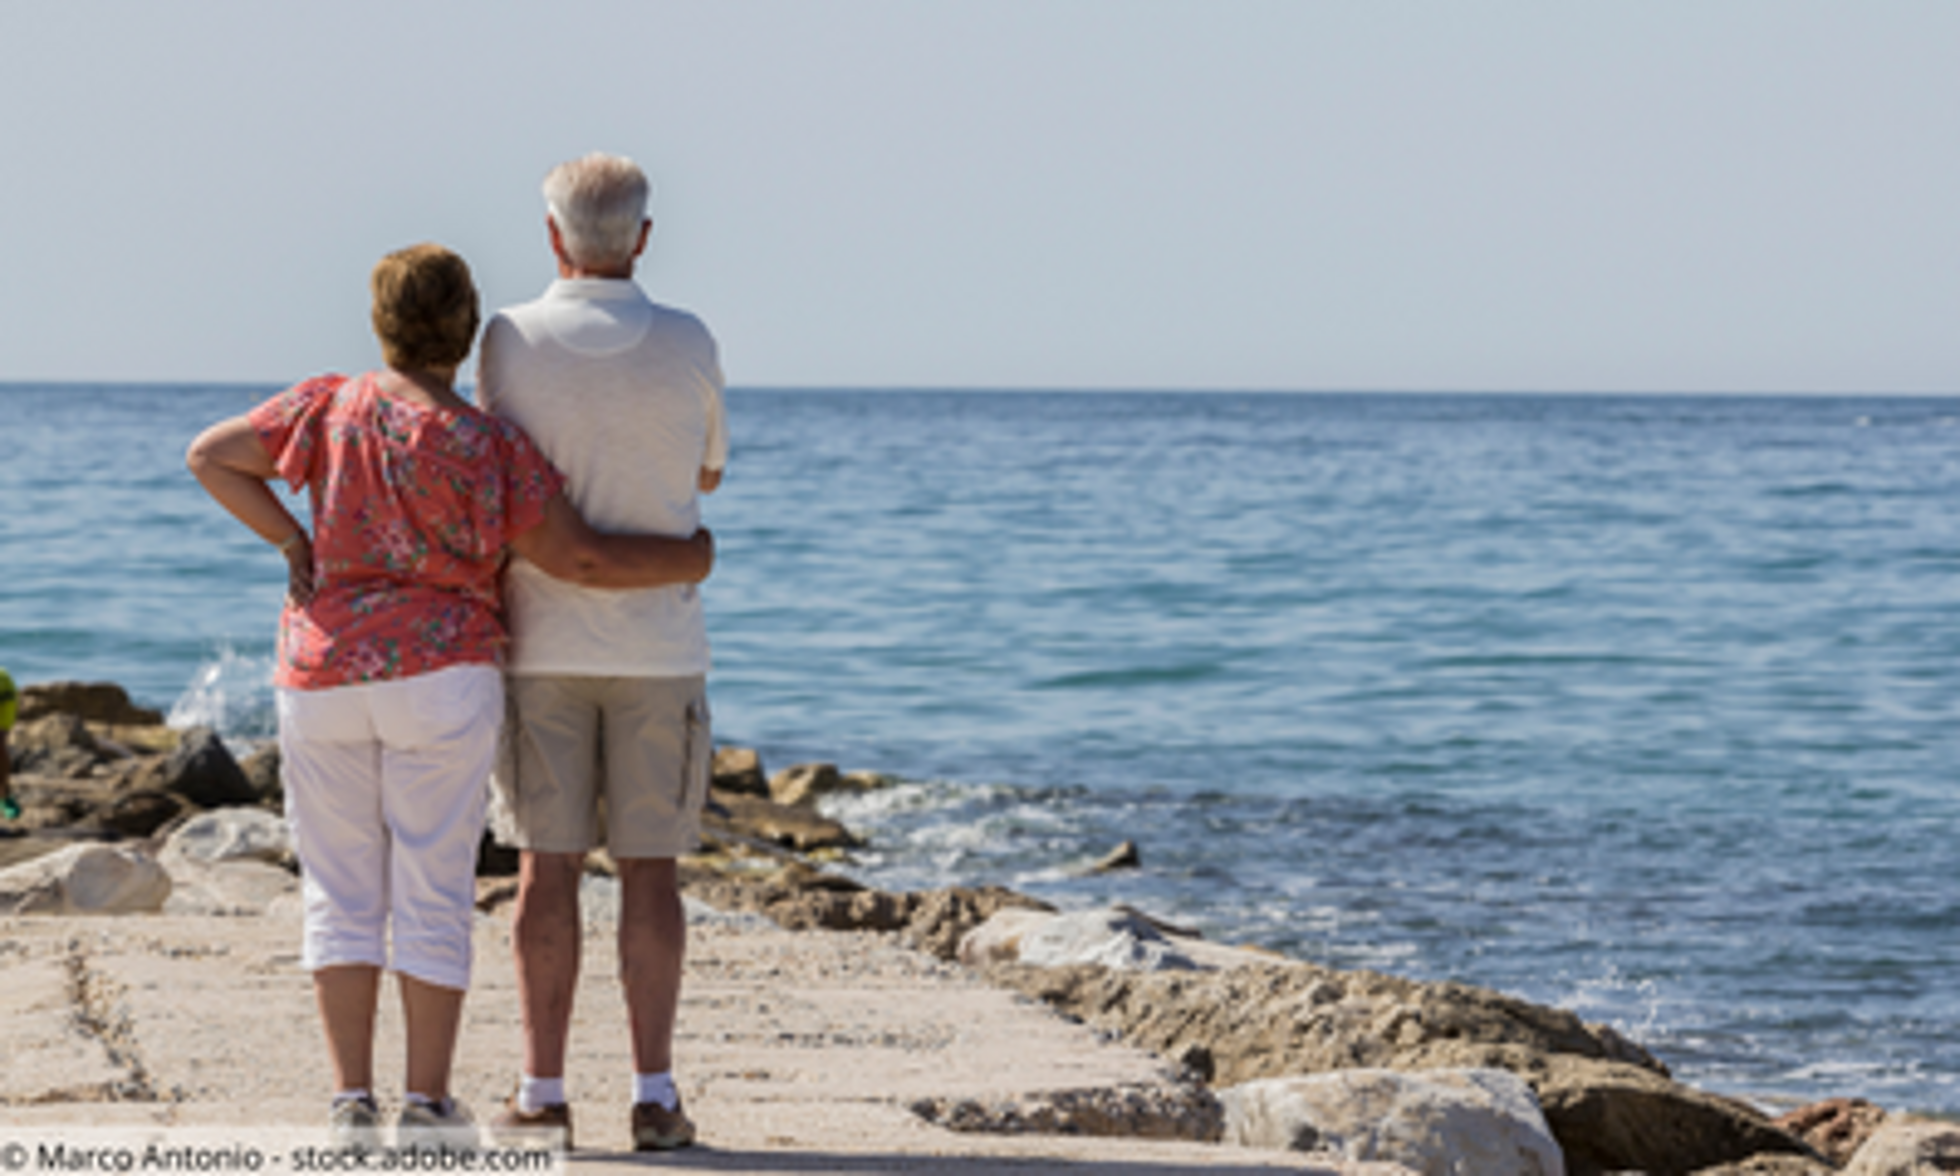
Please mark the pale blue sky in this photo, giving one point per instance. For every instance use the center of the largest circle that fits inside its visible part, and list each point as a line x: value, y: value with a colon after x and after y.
x: 1653, y: 195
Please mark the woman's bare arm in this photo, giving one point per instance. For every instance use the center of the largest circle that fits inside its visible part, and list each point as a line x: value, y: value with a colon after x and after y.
x: 567, y: 549
x: 232, y: 465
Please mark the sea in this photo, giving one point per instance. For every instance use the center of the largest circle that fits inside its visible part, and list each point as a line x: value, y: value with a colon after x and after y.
x: 1643, y: 706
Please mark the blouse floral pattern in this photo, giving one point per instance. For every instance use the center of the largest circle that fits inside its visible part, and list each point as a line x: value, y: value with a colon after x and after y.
x: 412, y: 509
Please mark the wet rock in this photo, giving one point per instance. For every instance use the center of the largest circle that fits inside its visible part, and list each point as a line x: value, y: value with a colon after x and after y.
x: 203, y: 772
x: 804, y: 783
x: 788, y: 826
x: 1123, y: 857
x: 1908, y: 1147
x: 1835, y: 1127
x: 739, y: 770
x: 1481, y: 1121
x: 85, y: 879
x: 97, y: 702
x: 1137, y: 1112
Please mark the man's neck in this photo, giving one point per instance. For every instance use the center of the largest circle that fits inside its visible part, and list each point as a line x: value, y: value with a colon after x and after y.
x: 569, y: 271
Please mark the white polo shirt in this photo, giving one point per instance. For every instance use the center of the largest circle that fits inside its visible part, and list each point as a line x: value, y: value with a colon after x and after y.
x: 624, y: 396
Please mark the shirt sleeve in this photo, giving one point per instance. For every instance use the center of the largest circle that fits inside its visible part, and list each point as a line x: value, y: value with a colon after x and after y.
x: 530, y: 482
x: 489, y: 369
x: 716, y: 457
x: 290, y: 426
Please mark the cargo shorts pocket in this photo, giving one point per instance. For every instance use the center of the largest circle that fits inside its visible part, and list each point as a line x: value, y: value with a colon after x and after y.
x: 698, y: 758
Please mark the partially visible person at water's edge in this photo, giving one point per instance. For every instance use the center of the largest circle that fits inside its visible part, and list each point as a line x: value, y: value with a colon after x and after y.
x: 9, y: 707
x: 390, y: 692
x: 608, y: 693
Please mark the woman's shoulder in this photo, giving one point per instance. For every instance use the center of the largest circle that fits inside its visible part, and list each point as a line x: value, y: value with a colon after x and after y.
x: 304, y: 399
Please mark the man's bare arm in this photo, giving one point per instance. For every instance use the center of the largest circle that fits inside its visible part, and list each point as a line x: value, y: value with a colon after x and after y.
x: 567, y: 549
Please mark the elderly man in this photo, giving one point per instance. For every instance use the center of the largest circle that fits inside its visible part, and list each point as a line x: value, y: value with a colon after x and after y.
x: 607, y: 700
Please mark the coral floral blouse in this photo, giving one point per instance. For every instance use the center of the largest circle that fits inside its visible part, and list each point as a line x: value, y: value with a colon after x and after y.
x: 412, y: 509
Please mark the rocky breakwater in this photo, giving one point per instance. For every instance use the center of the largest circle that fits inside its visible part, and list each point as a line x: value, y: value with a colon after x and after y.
x: 123, y: 814
x: 1435, y: 1076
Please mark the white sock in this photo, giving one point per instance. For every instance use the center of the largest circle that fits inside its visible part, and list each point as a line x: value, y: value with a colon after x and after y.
x: 535, y: 1094
x: 442, y: 1107
x: 352, y: 1096
x: 656, y: 1088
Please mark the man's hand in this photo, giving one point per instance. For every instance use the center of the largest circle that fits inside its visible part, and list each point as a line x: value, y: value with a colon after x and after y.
x: 704, y: 540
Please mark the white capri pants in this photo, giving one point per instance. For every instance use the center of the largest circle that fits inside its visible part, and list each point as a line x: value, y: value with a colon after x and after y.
x: 386, y: 784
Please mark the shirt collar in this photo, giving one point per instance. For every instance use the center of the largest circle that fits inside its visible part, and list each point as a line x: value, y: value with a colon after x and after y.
x: 596, y: 289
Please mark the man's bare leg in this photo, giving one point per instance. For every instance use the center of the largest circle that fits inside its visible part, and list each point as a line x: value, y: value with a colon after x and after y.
x: 545, y: 937
x: 652, y: 947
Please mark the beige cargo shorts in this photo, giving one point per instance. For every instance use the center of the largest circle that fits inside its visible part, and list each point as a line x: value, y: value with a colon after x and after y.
x: 589, y: 759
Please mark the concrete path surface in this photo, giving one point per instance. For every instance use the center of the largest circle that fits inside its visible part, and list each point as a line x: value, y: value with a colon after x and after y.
x: 798, y: 1052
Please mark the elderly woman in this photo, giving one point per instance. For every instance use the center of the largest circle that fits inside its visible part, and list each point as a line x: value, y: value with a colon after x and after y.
x: 389, y: 689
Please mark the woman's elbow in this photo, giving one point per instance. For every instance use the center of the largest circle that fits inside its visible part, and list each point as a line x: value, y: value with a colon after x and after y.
x: 197, y: 458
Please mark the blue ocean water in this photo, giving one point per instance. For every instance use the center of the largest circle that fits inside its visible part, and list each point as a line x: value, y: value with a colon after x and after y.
x: 1643, y: 706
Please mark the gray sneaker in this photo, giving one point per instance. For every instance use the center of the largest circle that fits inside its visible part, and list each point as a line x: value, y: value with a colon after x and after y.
x: 444, y: 1124
x: 355, y: 1122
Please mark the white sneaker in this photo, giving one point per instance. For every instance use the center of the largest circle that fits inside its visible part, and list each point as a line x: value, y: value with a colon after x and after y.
x: 435, y: 1125
x: 355, y: 1122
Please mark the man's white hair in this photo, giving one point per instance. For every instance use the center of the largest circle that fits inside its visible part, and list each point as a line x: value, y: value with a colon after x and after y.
x: 598, y: 203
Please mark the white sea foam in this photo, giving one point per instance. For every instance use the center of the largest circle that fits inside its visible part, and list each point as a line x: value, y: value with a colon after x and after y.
x: 231, y: 693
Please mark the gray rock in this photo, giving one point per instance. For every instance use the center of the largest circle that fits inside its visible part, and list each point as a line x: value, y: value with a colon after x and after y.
x: 85, y: 879
x: 1439, y: 1122
x: 1908, y: 1147
x: 1113, y: 938
x: 227, y: 887
x: 261, y: 769
x: 58, y: 745
x: 230, y: 834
